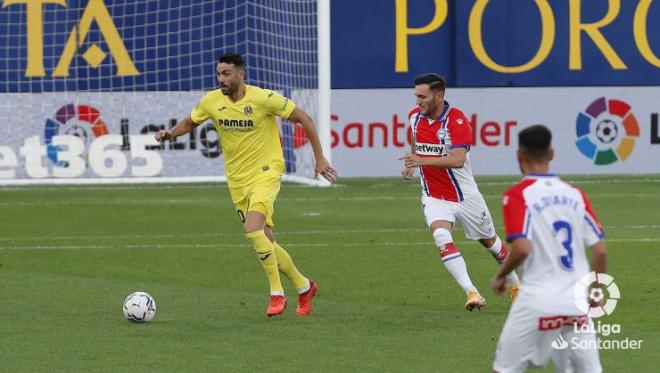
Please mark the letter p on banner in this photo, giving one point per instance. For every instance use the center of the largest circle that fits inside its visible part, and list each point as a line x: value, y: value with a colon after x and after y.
x: 402, y: 30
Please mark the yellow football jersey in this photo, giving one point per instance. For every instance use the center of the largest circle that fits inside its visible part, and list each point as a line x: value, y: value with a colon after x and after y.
x: 248, y: 132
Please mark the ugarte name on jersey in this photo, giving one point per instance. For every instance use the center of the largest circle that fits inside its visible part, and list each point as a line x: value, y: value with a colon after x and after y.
x: 556, y: 200
x: 430, y: 149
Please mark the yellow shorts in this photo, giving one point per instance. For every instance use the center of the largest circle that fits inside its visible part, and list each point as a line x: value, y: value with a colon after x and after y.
x: 258, y: 196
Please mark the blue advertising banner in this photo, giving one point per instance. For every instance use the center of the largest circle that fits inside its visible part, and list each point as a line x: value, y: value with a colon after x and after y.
x: 171, y: 45
x: 496, y: 42
x: 156, y: 45
x: 78, y: 45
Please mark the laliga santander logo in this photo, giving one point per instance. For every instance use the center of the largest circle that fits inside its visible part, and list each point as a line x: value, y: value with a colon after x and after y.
x: 606, y: 131
x: 596, y: 294
x: 72, y: 120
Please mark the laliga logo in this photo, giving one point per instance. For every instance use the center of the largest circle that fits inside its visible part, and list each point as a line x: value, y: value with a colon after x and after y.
x: 606, y: 131
x: 596, y: 294
x: 69, y: 119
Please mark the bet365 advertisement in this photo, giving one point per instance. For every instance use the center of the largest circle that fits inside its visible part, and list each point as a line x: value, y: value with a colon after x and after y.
x: 102, y: 135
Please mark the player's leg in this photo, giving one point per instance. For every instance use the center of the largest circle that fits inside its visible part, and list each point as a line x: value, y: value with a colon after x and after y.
x: 475, y: 218
x: 496, y: 248
x: 500, y: 252
x: 254, y: 231
x: 582, y: 354
x: 305, y: 287
x: 263, y: 199
x: 440, y: 219
x: 451, y: 257
x: 286, y: 265
x: 254, y: 214
x: 521, y: 343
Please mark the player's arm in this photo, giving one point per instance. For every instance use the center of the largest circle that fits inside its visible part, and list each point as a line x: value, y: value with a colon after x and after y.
x: 599, y: 257
x: 520, y: 248
x: 455, y: 159
x: 408, y: 172
x: 322, y: 165
x: 516, y: 224
x: 598, y: 265
x: 594, y: 234
x: 184, y: 126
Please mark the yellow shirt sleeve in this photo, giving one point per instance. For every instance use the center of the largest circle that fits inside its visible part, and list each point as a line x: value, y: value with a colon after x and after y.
x: 199, y: 114
x: 279, y: 105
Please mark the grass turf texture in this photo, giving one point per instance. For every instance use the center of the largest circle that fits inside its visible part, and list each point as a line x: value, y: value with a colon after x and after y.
x: 69, y: 255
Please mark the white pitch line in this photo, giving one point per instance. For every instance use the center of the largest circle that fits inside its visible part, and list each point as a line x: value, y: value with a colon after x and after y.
x: 112, y: 187
x: 223, y: 200
x: 125, y: 202
x: 278, y: 233
x: 203, y: 246
x: 231, y: 246
x: 234, y: 234
x: 581, y: 181
x: 336, y: 185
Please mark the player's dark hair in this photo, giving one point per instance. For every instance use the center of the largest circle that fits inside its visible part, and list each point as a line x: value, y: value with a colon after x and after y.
x: 233, y: 59
x: 535, y: 141
x: 435, y: 81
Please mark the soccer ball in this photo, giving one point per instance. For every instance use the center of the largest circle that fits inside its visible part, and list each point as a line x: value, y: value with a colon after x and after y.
x: 139, y: 307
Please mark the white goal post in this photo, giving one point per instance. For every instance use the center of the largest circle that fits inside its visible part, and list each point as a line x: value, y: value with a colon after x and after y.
x: 84, y: 85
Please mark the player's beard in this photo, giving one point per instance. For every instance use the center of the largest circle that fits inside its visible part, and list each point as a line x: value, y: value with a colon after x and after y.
x: 426, y: 109
x: 227, y: 90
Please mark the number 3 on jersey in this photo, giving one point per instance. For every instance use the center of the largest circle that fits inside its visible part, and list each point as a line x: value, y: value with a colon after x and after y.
x: 559, y: 226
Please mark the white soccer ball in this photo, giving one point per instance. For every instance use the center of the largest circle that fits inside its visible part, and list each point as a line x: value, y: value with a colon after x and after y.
x: 139, y: 307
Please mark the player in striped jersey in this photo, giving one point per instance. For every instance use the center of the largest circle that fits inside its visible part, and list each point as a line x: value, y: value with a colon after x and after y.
x: 440, y: 146
x: 548, y: 223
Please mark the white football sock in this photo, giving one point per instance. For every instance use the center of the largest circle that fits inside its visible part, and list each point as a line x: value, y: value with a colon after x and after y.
x: 496, y: 250
x: 458, y: 269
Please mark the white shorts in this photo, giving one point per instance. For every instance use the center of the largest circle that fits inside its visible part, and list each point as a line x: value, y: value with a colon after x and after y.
x: 525, y: 343
x: 472, y: 213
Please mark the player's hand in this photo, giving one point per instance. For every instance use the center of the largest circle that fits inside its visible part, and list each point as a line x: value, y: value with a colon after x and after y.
x: 411, y: 160
x: 407, y: 173
x: 163, y: 135
x: 497, y: 284
x: 324, y: 169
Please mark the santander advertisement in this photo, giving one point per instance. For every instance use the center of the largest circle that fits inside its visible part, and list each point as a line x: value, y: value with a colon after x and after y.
x: 110, y: 135
x: 596, y: 130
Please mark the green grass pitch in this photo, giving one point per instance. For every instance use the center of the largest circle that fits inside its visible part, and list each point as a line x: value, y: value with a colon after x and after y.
x: 70, y: 254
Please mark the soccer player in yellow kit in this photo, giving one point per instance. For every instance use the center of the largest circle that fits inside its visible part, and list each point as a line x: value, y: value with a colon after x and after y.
x: 244, y: 117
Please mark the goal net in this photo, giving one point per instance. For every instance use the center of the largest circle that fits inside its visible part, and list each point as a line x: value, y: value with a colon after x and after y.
x: 84, y: 84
